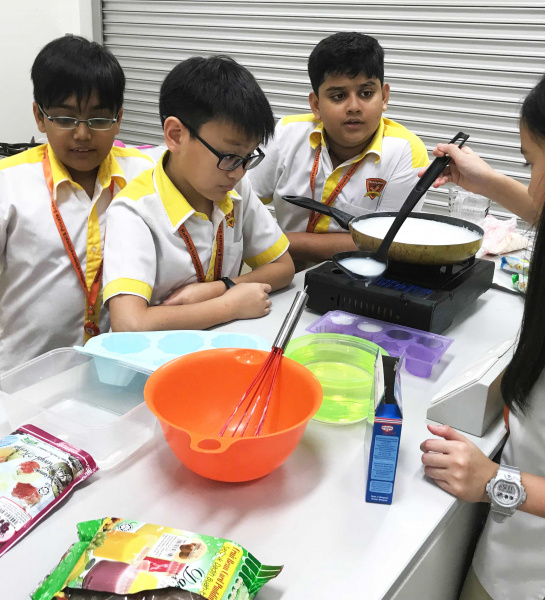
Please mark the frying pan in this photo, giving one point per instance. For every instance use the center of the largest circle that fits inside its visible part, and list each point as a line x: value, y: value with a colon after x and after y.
x: 445, y: 254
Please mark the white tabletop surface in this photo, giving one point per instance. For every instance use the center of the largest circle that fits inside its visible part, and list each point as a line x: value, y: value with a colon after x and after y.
x: 310, y: 514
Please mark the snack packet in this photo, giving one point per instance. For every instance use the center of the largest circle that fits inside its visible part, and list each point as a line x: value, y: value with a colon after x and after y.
x: 151, y: 562
x: 514, y: 264
x: 37, y: 470
x: 519, y: 282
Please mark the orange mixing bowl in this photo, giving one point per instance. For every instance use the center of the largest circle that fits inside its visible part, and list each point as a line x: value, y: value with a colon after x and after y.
x: 194, y: 395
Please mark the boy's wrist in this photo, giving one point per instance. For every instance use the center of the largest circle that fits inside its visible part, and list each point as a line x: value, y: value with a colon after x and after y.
x: 220, y: 287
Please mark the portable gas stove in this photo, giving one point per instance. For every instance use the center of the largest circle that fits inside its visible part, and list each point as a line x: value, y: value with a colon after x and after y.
x: 424, y: 297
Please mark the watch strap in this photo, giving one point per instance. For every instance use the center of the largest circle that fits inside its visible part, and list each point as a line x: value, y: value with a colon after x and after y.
x: 229, y: 283
x: 506, y: 473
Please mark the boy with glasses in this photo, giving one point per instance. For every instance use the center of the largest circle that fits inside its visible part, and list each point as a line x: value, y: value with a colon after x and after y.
x: 177, y: 235
x: 53, y: 201
x: 345, y: 153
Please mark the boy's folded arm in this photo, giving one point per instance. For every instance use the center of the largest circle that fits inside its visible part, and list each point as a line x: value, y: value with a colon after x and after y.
x: 317, y: 247
x: 278, y: 273
x: 195, y: 292
x: 132, y: 313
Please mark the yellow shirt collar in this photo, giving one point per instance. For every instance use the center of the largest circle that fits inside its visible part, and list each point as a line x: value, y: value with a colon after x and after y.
x: 109, y: 168
x: 317, y: 137
x: 174, y: 202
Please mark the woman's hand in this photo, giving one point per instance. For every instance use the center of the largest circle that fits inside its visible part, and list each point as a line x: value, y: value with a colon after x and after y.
x: 457, y: 465
x: 466, y: 169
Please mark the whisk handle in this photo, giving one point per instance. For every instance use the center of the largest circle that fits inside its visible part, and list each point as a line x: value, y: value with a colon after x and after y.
x: 291, y: 320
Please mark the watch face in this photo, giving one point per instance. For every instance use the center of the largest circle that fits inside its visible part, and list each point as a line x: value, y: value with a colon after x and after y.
x: 506, y: 494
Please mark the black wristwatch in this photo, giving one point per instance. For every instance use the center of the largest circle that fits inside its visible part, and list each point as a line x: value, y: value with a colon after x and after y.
x: 229, y: 283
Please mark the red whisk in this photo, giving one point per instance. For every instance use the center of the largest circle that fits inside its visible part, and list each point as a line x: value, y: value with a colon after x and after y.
x: 263, y: 384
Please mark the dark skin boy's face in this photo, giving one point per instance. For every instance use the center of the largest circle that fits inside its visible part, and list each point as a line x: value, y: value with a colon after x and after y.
x: 81, y: 150
x: 350, y: 109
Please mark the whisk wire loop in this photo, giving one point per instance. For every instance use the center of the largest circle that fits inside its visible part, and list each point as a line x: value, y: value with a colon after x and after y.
x: 263, y: 383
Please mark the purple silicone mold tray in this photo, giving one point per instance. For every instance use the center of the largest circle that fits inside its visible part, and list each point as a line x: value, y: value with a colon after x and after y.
x: 421, y: 349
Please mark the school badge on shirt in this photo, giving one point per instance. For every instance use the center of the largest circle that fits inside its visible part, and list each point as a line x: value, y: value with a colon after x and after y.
x: 374, y: 187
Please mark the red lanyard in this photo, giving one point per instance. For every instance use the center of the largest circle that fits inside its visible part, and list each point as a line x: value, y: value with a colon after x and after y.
x: 218, y: 262
x: 91, y: 294
x: 315, y: 217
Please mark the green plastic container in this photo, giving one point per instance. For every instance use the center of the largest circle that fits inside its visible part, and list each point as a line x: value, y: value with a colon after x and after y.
x: 344, y: 365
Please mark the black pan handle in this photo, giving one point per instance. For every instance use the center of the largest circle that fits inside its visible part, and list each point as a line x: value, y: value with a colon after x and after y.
x: 414, y: 196
x: 342, y: 218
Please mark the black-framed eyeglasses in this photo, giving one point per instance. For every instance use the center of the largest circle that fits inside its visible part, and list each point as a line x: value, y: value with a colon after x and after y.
x: 230, y: 162
x: 96, y: 123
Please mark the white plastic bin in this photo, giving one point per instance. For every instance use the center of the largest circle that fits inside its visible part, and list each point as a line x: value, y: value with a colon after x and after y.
x: 61, y: 393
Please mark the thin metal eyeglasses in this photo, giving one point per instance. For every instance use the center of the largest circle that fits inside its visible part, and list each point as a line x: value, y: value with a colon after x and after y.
x: 230, y: 162
x: 96, y: 123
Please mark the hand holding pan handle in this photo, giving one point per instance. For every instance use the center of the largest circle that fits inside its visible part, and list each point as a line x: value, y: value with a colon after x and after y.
x: 342, y: 218
x: 416, y: 193
x: 437, y: 166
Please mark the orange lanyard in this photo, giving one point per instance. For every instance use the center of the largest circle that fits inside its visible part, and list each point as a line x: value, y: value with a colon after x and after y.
x: 91, y: 294
x: 315, y: 217
x: 218, y: 262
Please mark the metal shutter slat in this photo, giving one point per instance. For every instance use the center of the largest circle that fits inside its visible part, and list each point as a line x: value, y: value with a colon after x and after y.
x: 467, y: 68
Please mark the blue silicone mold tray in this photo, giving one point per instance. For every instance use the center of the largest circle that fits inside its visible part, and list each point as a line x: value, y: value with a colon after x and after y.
x: 420, y: 349
x: 147, y: 351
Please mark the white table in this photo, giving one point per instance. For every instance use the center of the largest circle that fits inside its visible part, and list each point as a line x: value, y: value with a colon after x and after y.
x: 310, y: 514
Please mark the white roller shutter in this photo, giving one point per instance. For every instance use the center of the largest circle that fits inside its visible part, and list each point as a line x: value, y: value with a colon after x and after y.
x: 463, y: 67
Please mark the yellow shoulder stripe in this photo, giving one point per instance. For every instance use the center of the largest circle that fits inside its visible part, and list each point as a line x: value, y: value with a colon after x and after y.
x: 299, y: 119
x: 30, y: 156
x: 418, y: 149
x: 127, y: 286
x: 270, y: 255
x: 139, y: 187
x: 118, y: 151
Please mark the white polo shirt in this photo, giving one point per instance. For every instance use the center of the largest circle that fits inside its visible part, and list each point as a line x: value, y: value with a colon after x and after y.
x: 145, y: 254
x: 510, y: 558
x: 382, y: 181
x: 42, y: 306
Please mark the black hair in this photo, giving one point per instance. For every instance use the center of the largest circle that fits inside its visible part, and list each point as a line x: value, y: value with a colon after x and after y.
x: 346, y: 53
x: 202, y: 89
x: 74, y: 66
x: 529, y: 359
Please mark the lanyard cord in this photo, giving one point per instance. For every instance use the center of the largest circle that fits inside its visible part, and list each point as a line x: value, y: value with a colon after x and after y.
x: 315, y: 217
x: 91, y: 294
x: 217, y: 257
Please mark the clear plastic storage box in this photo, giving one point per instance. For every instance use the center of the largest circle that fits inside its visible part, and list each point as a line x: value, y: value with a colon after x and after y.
x: 61, y: 393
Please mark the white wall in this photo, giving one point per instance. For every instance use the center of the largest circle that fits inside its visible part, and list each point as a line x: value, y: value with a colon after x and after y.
x: 25, y: 27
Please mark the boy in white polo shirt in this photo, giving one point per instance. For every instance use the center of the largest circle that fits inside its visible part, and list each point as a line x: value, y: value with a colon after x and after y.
x: 343, y: 154
x: 53, y: 201
x: 177, y: 235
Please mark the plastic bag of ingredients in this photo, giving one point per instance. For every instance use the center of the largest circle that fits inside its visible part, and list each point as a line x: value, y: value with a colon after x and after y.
x: 115, y: 557
x: 500, y: 236
x: 37, y: 470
